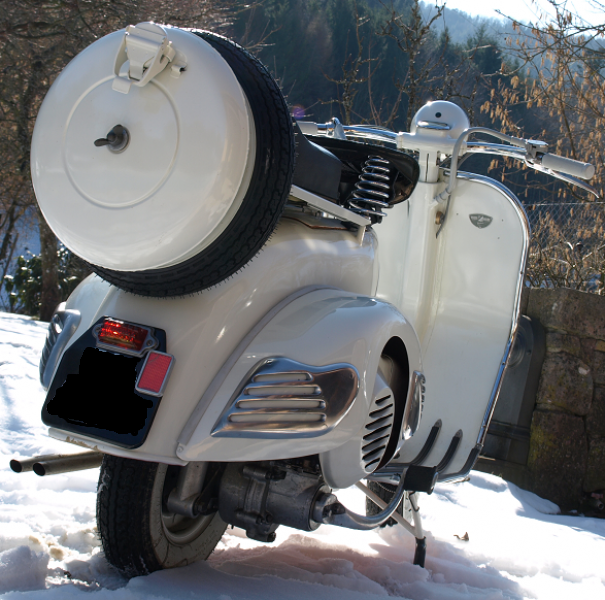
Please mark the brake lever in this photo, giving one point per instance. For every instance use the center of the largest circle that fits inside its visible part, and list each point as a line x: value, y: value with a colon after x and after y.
x: 562, y: 176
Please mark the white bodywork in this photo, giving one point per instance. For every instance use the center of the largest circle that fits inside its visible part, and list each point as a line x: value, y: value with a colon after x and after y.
x: 442, y: 272
x: 461, y: 292
x: 233, y: 324
x: 458, y: 291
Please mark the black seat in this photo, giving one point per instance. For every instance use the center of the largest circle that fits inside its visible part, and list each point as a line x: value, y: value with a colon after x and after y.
x: 317, y: 170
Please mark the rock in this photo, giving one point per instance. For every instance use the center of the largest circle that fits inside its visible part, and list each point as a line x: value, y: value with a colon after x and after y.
x: 557, y: 457
x: 571, y: 311
x: 560, y: 342
x: 595, y: 419
x: 598, y: 364
x: 595, y: 468
x: 566, y: 383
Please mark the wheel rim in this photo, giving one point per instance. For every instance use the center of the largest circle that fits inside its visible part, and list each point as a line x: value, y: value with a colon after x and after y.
x: 182, y: 530
x: 178, y: 529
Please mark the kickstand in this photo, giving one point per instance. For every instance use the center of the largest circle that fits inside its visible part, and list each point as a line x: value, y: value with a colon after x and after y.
x: 420, y: 552
x: 415, y: 529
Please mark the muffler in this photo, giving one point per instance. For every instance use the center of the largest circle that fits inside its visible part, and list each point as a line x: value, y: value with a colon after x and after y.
x: 52, y: 464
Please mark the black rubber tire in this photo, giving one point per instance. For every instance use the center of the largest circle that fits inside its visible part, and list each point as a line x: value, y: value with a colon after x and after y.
x: 385, y: 492
x: 262, y: 205
x: 138, y: 534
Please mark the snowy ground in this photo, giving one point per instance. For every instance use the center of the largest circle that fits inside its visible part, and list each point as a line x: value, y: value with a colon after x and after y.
x: 518, y: 547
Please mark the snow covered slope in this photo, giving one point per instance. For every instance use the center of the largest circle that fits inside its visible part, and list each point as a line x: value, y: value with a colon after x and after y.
x: 518, y: 546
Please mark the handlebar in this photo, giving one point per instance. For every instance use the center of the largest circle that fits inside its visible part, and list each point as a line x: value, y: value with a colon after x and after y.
x: 569, y: 166
x: 532, y: 152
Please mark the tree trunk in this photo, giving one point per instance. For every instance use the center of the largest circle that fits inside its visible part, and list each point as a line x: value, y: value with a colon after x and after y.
x: 50, y: 295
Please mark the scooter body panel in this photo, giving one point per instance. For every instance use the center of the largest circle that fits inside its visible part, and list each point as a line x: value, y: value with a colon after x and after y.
x: 323, y: 327
x: 470, y: 317
x: 204, y: 330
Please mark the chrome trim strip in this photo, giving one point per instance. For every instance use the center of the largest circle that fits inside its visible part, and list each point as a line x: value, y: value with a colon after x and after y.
x: 495, y: 149
x: 413, y: 406
x: 436, y: 125
x: 68, y: 320
x: 512, y: 198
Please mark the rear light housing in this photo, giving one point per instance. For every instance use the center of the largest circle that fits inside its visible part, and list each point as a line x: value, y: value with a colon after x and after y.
x: 154, y: 375
x: 126, y: 338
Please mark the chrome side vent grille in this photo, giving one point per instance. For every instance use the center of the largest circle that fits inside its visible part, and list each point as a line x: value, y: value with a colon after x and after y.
x: 285, y: 398
x: 379, y: 428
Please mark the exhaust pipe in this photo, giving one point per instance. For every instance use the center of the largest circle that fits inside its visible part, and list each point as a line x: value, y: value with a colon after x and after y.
x: 52, y: 464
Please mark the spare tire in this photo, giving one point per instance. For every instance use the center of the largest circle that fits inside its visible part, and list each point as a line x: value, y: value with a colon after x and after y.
x: 196, y: 188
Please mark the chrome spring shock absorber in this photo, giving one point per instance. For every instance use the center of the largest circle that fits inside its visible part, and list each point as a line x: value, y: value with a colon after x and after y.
x: 373, y: 189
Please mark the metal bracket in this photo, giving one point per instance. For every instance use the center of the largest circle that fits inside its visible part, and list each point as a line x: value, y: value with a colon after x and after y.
x: 182, y: 499
x: 144, y: 53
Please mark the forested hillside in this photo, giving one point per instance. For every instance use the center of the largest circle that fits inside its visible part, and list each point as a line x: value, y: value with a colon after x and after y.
x: 371, y: 61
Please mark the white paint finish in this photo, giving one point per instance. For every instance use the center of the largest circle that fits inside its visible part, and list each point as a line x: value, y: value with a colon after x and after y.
x: 476, y: 304
x: 203, y: 330
x: 320, y: 328
x: 409, y: 257
x: 174, y: 188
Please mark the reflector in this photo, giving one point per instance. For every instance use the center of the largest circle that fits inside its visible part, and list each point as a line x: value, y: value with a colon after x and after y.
x: 154, y: 374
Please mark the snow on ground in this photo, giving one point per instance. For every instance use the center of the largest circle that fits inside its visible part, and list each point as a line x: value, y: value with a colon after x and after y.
x: 518, y: 546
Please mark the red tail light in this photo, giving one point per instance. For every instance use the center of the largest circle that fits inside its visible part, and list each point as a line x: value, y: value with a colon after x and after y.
x: 154, y: 374
x: 117, y: 335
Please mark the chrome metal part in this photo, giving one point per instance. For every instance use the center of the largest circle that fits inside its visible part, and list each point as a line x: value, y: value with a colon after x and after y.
x: 435, y: 125
x: 52, y: 464
x: 379, y: 428
x: 495, y: 149
x: 413, y: 409
x: 446, y: 194
x: 376, y: 134
x: 532, y: 161
x: 61, y: 328
x: 334, y: 513
x: 259, y: 497
x: 329, y: 207
x: 285, y: 398
x: 416, y: 514
x: 376, y: 499
x: 373, y: 189
x: 183, y: 498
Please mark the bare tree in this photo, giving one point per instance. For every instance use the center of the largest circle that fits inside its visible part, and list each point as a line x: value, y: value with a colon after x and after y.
x: 37, y: 39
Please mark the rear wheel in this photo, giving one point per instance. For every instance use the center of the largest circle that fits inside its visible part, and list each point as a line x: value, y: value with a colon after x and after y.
x: 138, y: 533
x: 262, y: 204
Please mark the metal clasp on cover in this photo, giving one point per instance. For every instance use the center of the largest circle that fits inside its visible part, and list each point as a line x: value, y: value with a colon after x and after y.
x: 144, y: 53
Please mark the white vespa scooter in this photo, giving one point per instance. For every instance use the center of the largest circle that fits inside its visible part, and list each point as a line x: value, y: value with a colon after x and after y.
x: 219, y: 385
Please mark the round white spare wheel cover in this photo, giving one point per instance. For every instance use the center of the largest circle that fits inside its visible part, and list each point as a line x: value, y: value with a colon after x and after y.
x: 184, y: 172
